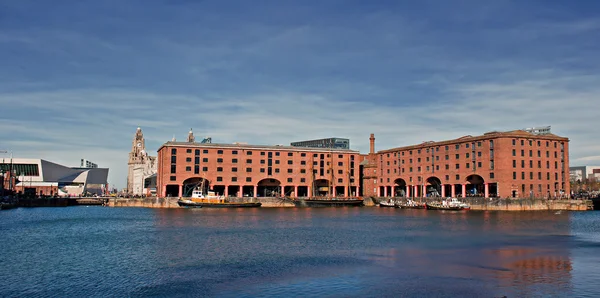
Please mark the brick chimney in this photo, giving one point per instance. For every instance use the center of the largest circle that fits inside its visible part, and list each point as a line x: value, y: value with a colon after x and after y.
x: 372, y: 141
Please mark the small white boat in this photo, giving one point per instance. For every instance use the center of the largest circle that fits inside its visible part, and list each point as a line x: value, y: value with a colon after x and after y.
x: 388, y: 203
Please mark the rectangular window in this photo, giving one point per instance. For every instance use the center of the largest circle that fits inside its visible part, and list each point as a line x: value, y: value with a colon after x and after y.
x: 173, y: 169
x: 467, y: 165
x: 514, y: 163
x: 219, y: 179
x: 514, y: 175
x: 289, y: 162
x: 234, y: 152
x: 248, y: 179
x: 523, y: 175
x: 289, y: 179
x: 248, y: 152
x: 290, y: 171
x: 302, y: 171
x: 457, y: 156
x: 197, y: 152
x: 467, y: 145
x: 204, y: 169
x: 457, y: 177
x: 173, y: 178
x: 219, y: 169
x: 479, y: 164
x: 234, y: 169
x: 219, y: 151
x: 491, y: 175
x: 447, y: 167
x: 233, y: 179
x: 457, y: 166
x: 276, y: 153
x: 467, y: 155
x: 196, y: 169
x: 248, y: 170
x: 302, y: 180
x: 234, y: 160
x: 188, y: 150
x: 197, y: 159
x: 174, y: 151
x: 248, y: 160
x: 188, y: 169
x: 205, y: 151
x: 302, y: 154
x: 173, y: 159
x: 262, y: 170
x: 290, y: 154
x: 219, y: 160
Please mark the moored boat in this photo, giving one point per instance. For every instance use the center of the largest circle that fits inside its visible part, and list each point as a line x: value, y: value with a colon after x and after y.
x: 410, y: 204
x: 448, y: 204
x: 212, y: 200
x: 328, y: 202
x: 388, y: 203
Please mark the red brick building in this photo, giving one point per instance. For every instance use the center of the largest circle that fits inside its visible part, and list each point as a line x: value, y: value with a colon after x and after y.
x: 254, y: 170
x: 496, y: 164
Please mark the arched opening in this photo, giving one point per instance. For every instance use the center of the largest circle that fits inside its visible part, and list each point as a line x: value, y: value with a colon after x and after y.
x: 269, y: 188
x: 475, y: 186
x: 322, y: 187
x: 400, y: 187
x: 192, y: 183
x: 172, y: 190
x: 434, y: 187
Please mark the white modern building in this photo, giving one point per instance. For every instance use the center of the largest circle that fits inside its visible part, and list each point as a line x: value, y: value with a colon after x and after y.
x: 584, y: 173
x: 41, y: 177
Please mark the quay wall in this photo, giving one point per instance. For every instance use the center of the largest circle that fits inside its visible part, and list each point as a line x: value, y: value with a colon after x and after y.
x: 495, y: 204
x: 515, y: 204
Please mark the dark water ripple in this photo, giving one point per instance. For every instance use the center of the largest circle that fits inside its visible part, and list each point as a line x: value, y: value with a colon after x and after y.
x: 289, y: 252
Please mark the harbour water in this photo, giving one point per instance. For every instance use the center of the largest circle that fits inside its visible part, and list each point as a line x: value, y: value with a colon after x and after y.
x: 297, y: 252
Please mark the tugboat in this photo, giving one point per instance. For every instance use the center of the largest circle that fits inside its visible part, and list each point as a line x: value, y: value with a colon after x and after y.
x: 212, y: 200
x: 328, y: 202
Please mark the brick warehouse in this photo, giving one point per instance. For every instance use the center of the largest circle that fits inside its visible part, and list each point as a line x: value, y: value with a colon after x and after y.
x: 254, y: 170
x: 517, y: 163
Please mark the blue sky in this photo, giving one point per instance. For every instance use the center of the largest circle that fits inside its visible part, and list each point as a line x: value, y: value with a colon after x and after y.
x: 78, y: 77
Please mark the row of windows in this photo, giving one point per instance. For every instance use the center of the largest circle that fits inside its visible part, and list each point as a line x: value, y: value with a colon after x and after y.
x: 262, y: 153
x: 249, y: 170
x: 539, y: 153
x: 539, y: 143
x: 437, y: 149
x: 249, y: 161
x: 249, y: 179
x: 420, y: 179
x: 539, y: 164
x: 531, y: 175
x: 474, y: 165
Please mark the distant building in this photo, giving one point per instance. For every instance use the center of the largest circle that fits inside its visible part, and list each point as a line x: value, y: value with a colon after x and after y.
x: 584, y: 173
x: 87, y: 164
x: 141, y: 175
x: 41, y: 177
x: 334, y: 143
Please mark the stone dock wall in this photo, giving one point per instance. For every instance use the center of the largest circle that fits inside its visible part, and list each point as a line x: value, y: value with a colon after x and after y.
x: 514, y: 204
x: 494, y: 204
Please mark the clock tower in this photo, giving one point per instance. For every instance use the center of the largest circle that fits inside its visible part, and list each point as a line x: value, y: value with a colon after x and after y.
x: 140, y: 165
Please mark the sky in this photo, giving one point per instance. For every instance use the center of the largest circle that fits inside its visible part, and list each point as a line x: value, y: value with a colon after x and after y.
x: 78, y: 77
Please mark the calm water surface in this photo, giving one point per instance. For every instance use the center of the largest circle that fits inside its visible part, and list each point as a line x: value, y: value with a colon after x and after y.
x: 290, y: 252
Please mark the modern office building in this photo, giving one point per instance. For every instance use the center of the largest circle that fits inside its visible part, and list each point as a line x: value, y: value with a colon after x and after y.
x: 585, y: 173
x: 87, y: 164
x: 336, y: 143
x: 39, y: 177
x: 516, y: 163
x: 256, y: 170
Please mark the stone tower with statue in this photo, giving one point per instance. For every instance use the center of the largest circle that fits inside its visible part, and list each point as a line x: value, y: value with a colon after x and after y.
x: 141, y: 175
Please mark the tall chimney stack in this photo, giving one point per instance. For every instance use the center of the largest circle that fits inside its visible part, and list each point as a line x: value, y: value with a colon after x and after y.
x: 372, y: 139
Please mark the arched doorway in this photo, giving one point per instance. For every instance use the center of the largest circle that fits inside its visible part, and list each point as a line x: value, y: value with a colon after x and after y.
x: 269, y: 188
x: 322, y: 187
x: 475, y: 186
x: 400, y: 187
x: 191, y: 183
x: 434, y: 187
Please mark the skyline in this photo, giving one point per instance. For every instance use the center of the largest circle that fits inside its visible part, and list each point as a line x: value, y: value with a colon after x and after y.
x: 80, y: 77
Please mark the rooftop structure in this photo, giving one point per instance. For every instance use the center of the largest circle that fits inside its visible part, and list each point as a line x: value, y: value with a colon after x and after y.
x: 337, y: 143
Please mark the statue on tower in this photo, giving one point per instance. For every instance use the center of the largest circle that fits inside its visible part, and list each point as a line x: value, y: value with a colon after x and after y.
x: 190, y: 138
